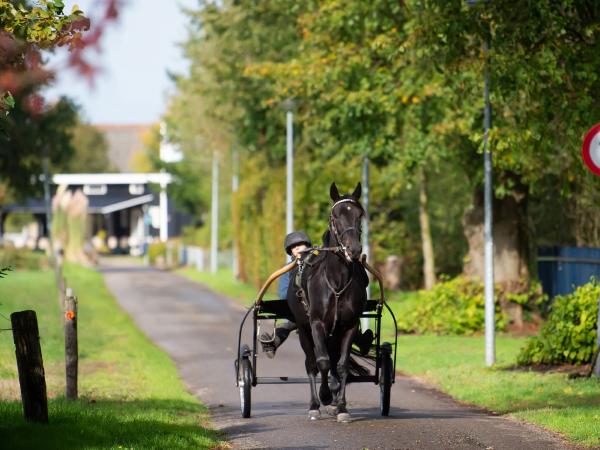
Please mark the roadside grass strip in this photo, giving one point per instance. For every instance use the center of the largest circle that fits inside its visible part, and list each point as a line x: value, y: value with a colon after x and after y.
x: 130, y: 393
x: 224, y: 283
x: 456, y: 365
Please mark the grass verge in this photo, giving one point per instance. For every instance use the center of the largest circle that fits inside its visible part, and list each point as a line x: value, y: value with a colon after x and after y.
x: 224, y: 282
x: 130, y: 393
x: 455, y: 364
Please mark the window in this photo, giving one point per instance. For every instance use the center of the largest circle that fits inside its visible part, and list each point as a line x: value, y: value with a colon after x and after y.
x: 94, y: 189
x: 136, y: 189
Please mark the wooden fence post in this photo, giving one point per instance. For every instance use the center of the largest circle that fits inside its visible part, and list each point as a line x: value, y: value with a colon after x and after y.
x: 30, y: 365
x: 71, y: 345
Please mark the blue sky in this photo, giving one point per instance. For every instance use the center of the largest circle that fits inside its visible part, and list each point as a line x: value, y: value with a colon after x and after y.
x: 137, y: 52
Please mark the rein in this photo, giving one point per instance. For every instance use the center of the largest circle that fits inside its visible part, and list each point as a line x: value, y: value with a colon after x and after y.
x: 337, y: 295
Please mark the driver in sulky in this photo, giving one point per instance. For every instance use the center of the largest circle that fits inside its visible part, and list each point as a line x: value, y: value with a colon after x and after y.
x: 297, y: 244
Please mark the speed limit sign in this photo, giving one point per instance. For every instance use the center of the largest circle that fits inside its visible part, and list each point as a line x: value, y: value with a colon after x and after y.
x: 591, y: 149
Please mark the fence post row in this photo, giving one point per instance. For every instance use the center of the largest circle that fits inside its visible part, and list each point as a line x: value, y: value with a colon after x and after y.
x: 71, y: 345
x: 30, y: 366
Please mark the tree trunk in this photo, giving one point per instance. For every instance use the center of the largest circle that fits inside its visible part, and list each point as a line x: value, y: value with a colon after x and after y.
x: 511, y: 246
x: 428, y: 256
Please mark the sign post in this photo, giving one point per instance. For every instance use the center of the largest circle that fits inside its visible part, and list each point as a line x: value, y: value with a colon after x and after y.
x: 590, y: 151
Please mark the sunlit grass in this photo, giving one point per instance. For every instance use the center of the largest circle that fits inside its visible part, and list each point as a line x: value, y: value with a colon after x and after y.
x: 130, y: 393
x: 224, y: 282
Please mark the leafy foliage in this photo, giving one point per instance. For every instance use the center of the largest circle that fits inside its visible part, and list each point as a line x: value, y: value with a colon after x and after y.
x: 21, y: 259
x: 90, y: 151
x: 452, y: 307
x: 26, y: 139
x: 4, y: 271
x: 569, y: 335
x: 400, y: 83
x: 457, y: 306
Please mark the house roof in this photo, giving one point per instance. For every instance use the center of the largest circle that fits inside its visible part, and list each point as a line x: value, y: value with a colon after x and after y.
x: 162, y: 178
x: 98, y: 204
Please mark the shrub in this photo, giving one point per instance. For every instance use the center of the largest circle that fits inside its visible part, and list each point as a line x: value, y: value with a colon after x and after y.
x: 454, y: 306
x: 569, y: 335
x: 155, y: 250
x: 22, y: 259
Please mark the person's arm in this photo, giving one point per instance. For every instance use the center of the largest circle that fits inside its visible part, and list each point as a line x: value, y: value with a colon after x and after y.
x: 284, y: 282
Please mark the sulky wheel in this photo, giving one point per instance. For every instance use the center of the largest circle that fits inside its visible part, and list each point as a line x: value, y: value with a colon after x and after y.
x: 385, y: 378
x: 245, y: 381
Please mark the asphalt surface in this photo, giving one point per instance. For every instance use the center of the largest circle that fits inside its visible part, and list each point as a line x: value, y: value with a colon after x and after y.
x: 198, y: 329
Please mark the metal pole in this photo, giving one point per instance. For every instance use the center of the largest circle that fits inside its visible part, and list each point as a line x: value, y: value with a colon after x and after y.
x: 364, y: 322
x: 146, y: 240
x: 235, y: 185
x: 490, y: 345
x: 289, y: 223
x: 47, y: 204
x: 214, y: 229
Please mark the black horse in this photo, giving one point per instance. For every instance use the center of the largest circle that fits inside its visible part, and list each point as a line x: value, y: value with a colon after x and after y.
x: 330, y: 304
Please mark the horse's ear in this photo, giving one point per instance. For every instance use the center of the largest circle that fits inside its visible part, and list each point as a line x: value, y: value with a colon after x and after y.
x: 333, y: 192
x: 357, y: 191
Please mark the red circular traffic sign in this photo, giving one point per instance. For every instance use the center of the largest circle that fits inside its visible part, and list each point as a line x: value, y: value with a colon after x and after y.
x: 591, y: 149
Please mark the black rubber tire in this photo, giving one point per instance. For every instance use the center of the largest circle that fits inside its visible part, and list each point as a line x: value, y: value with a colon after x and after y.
x: 385, y: 378
x: 245, y: 382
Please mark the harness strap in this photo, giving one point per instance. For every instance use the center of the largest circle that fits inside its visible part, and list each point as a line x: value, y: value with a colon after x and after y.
x: 337, y: 295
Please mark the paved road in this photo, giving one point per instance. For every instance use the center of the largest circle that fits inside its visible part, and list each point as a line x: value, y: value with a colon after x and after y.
x: 198, y: 328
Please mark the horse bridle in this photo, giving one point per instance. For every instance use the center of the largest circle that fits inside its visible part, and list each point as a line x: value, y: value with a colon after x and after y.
x: 334, y: 230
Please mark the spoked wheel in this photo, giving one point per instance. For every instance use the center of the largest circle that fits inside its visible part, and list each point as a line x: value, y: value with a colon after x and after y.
x: 245, y: 381
x: 386, y: 375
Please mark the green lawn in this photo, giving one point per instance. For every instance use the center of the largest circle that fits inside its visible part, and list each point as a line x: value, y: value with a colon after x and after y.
x: 131, y: 394
x: 224, y: 282
x: 455, y: 364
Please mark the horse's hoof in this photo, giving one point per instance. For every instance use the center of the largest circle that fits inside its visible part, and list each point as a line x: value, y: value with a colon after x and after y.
x: 344, y: 417
x: 331, y: 410
x: 314, y: 414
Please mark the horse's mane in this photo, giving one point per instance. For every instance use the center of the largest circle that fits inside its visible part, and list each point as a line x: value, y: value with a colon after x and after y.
x: 327, y: 241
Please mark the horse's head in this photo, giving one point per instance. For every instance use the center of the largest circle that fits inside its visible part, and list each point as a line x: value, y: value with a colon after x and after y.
x: 345, y: 221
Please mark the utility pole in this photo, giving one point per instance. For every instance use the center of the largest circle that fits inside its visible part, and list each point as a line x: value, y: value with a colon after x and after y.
x: 289, y: 222
x: 47, y: 203
x: 365, y: 228
x: 490, y: 324
x: 235, y: 185
x: 488, y: 237
x: 214, y: 228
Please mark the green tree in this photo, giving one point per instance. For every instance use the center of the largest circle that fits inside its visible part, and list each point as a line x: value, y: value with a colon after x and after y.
x: 90, y: 151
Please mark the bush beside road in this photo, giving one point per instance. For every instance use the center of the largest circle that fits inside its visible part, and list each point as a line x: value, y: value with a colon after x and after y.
x: 130, y: 393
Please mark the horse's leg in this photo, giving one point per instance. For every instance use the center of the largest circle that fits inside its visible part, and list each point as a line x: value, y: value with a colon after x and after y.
x: 323, y: 362
x: 334, y: 379
x: 342, y: 369
x: 311, y: 369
